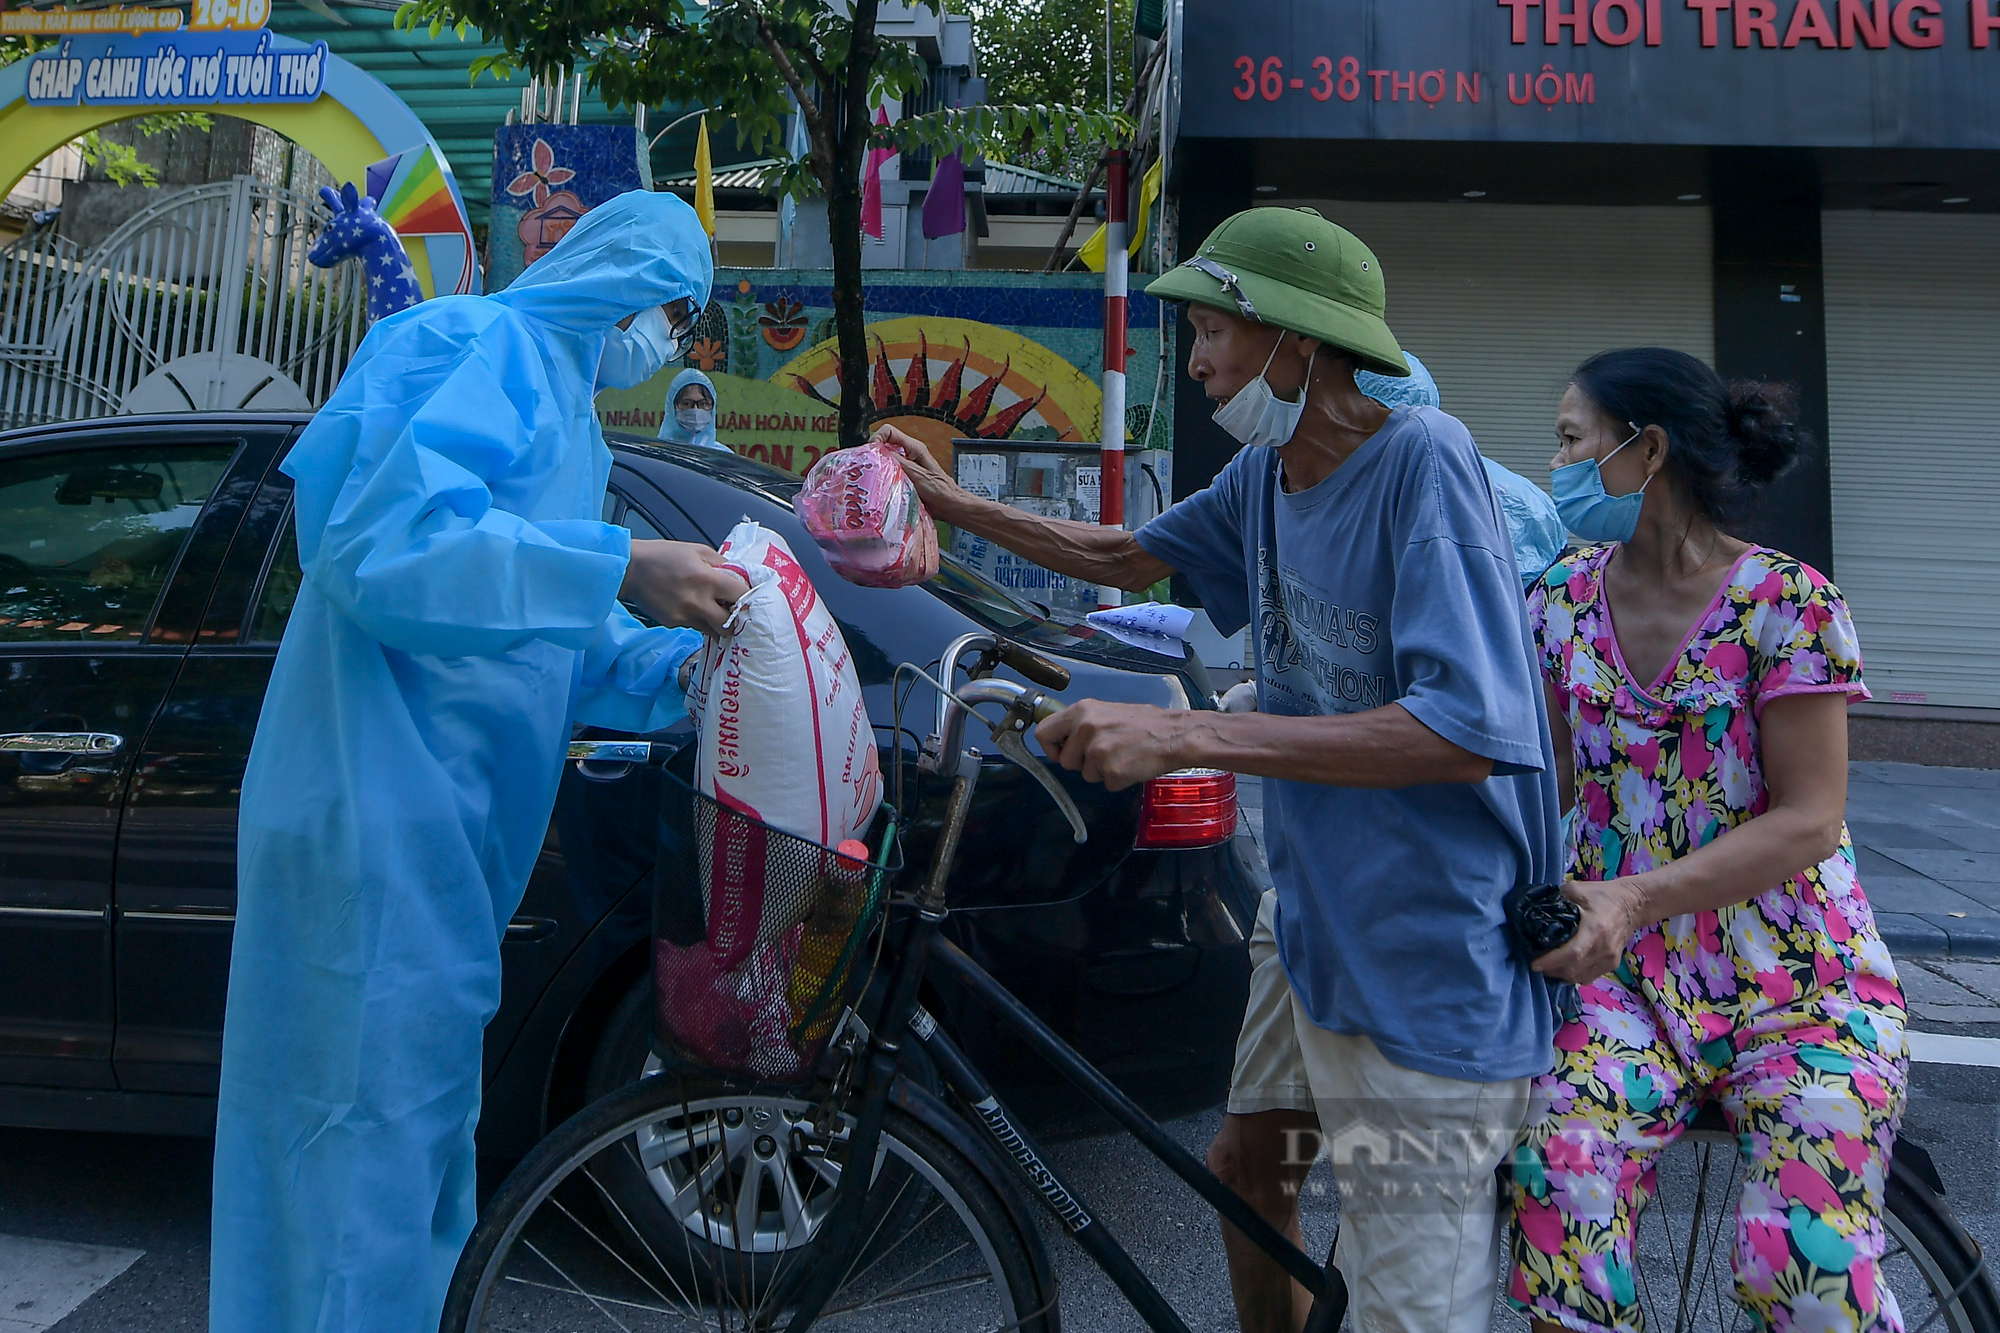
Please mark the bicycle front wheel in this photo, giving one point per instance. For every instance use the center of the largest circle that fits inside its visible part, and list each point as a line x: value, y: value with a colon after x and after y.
x: 665, y: 1208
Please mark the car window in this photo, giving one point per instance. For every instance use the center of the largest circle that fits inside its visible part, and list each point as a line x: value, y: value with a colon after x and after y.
x: 619, y: 510
x: 281, y: 582
x: 280, y: 590
x: 641, y: 526
x: 89, y: 537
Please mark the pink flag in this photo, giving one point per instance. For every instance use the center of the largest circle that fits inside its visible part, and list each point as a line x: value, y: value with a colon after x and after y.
x: 871, y: 184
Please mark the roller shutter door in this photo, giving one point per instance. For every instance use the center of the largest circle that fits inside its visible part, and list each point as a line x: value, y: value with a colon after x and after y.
x: 1502, y: 301
x: 1914, y: 405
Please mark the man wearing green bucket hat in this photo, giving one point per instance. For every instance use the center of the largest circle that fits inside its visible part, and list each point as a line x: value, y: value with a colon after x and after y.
x: 1408, y: 774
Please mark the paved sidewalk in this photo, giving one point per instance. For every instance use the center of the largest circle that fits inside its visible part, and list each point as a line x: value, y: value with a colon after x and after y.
x: 1929, y: 844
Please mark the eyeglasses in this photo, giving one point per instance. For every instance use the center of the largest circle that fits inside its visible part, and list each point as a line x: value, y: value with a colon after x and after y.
x: 1230, y: 283
x: 681, y: 316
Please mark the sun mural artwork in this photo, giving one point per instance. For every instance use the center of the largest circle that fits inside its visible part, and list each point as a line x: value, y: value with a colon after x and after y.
x: 937, y: 377
x: 942, y: 379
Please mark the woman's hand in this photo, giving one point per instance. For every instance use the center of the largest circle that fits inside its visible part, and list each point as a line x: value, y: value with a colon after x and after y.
x: 1613, y: 912
x: 682, y: 583
x: 941, y: 494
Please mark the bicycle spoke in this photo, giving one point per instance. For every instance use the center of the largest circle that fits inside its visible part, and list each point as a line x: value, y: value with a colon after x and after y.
x: 653, y: 1152
x: 1657, y: 1205
x: 640, y: 1235
x: 557, y: 1270
x: 877, y: 1261
x: 608, y: 1300
x: 935, y: 1288
x: 1702, y: 1155
x: 1725, y: 1212
x: 887, y: 1212
x: 714, y: 1131
x: 792, y: 1207
x: 1956, y: 1293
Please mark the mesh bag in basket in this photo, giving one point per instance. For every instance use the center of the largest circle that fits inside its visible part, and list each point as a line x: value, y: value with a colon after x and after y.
x: 757, y: 936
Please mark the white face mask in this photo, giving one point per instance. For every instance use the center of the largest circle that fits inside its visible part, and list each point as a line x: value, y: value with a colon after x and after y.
x: 694, y: 420
x: 635, y: 354
x: 1258, y: 416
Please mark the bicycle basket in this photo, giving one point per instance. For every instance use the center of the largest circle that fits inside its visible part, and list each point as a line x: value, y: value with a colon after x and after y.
x: 757, y: 936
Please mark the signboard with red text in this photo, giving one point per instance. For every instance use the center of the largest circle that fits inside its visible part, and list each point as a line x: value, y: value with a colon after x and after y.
x: 1815, y: 73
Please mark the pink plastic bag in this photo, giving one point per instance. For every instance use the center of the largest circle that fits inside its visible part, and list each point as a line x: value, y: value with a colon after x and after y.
x: 733, y: 1018
x: 861, y: 509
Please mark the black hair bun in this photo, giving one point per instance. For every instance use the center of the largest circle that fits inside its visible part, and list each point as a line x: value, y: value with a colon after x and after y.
x: 1763, y: 420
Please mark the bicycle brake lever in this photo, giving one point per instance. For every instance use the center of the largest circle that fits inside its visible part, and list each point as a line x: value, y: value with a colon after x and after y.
x: 1010, y: 734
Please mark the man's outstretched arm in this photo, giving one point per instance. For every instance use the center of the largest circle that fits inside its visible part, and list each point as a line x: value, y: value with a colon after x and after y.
x: 1085, y: 551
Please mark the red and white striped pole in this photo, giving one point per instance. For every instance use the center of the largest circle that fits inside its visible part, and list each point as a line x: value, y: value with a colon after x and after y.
x: 1111, y: 492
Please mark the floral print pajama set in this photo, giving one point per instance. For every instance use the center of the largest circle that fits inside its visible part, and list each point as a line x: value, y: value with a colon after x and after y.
x: 1785, y: 1009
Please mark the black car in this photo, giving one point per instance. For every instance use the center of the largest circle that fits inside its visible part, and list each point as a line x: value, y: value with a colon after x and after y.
x: 147, y: 568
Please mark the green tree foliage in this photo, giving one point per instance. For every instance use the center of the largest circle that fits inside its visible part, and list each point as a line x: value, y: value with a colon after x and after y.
x: 18, y: 46
x: 119, y: 162
x: 754, y: 61
x: 1039, y: 51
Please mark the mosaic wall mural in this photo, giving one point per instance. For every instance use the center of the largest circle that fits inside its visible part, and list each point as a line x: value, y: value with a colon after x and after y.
x: 952, y: 355
x: 545, y: 177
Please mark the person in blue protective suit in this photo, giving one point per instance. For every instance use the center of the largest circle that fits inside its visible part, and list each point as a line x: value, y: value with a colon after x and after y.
x: 690, y: 411
x: 1533, y: 527
x: 460, y: 612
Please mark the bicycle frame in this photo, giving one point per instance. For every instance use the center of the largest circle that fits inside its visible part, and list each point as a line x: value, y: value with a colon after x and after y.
x: 902, y: 1013
x: 1327, y: 1287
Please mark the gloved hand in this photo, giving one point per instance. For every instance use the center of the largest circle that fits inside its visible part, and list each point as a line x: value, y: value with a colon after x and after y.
x: 681, y: 584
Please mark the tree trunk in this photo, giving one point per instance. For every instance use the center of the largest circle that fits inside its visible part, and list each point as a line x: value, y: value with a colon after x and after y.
x: 843, y: 218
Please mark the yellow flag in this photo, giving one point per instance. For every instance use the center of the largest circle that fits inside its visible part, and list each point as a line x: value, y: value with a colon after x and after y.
x: 1092, y: 253
x: 704, y: 180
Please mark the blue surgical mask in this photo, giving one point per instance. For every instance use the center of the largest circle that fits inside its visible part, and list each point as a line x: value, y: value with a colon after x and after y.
x: 1590, y: 512
x: 635, y: 354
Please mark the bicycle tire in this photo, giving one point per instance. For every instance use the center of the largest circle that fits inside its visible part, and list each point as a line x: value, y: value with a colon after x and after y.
x: 1947, y: 1257
x: 993, y: 1274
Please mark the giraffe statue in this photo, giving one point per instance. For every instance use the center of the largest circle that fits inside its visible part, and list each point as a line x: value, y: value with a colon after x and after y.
x: 357, y: 229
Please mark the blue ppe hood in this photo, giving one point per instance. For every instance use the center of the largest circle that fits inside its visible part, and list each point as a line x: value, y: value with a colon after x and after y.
x: 672, y: 430
x: 1533, y: 526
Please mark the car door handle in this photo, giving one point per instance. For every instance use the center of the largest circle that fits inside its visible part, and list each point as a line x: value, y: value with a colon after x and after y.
x: 528, y: 929
x: 61, y: 742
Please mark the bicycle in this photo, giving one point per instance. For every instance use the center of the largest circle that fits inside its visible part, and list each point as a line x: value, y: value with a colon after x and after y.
x: 717, y: 1193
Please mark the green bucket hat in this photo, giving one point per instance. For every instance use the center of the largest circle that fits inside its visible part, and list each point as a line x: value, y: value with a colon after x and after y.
x: 1291, y: 268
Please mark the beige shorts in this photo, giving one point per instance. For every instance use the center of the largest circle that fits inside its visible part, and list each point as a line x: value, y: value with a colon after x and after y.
x: 1412, y: 1153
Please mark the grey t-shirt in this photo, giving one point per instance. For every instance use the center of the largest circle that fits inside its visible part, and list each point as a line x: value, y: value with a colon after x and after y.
x: 1393, y: 581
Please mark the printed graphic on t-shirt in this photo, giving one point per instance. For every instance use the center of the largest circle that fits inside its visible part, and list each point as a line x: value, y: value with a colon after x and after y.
x: 1316, y: 656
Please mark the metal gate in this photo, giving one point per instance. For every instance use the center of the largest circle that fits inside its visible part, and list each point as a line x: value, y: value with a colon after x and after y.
x: 204, y: 301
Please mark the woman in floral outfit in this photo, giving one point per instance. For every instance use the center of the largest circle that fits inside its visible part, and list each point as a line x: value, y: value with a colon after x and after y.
x: 1726, y: 953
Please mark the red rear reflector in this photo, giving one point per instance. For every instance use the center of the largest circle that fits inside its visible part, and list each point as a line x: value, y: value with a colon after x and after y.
x: 1195, y: 807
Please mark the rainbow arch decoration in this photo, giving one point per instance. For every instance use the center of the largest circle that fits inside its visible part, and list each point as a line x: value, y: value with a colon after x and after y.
x: 413, y: 193
x: 354, y: 122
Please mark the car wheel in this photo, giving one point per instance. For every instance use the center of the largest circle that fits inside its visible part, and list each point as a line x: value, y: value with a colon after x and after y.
x: 624, y: 1052
x: 651, y: 1185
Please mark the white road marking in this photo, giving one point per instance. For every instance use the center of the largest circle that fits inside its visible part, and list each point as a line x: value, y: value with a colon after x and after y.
x: 1937, y: 1048
x: 43, y: 1280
